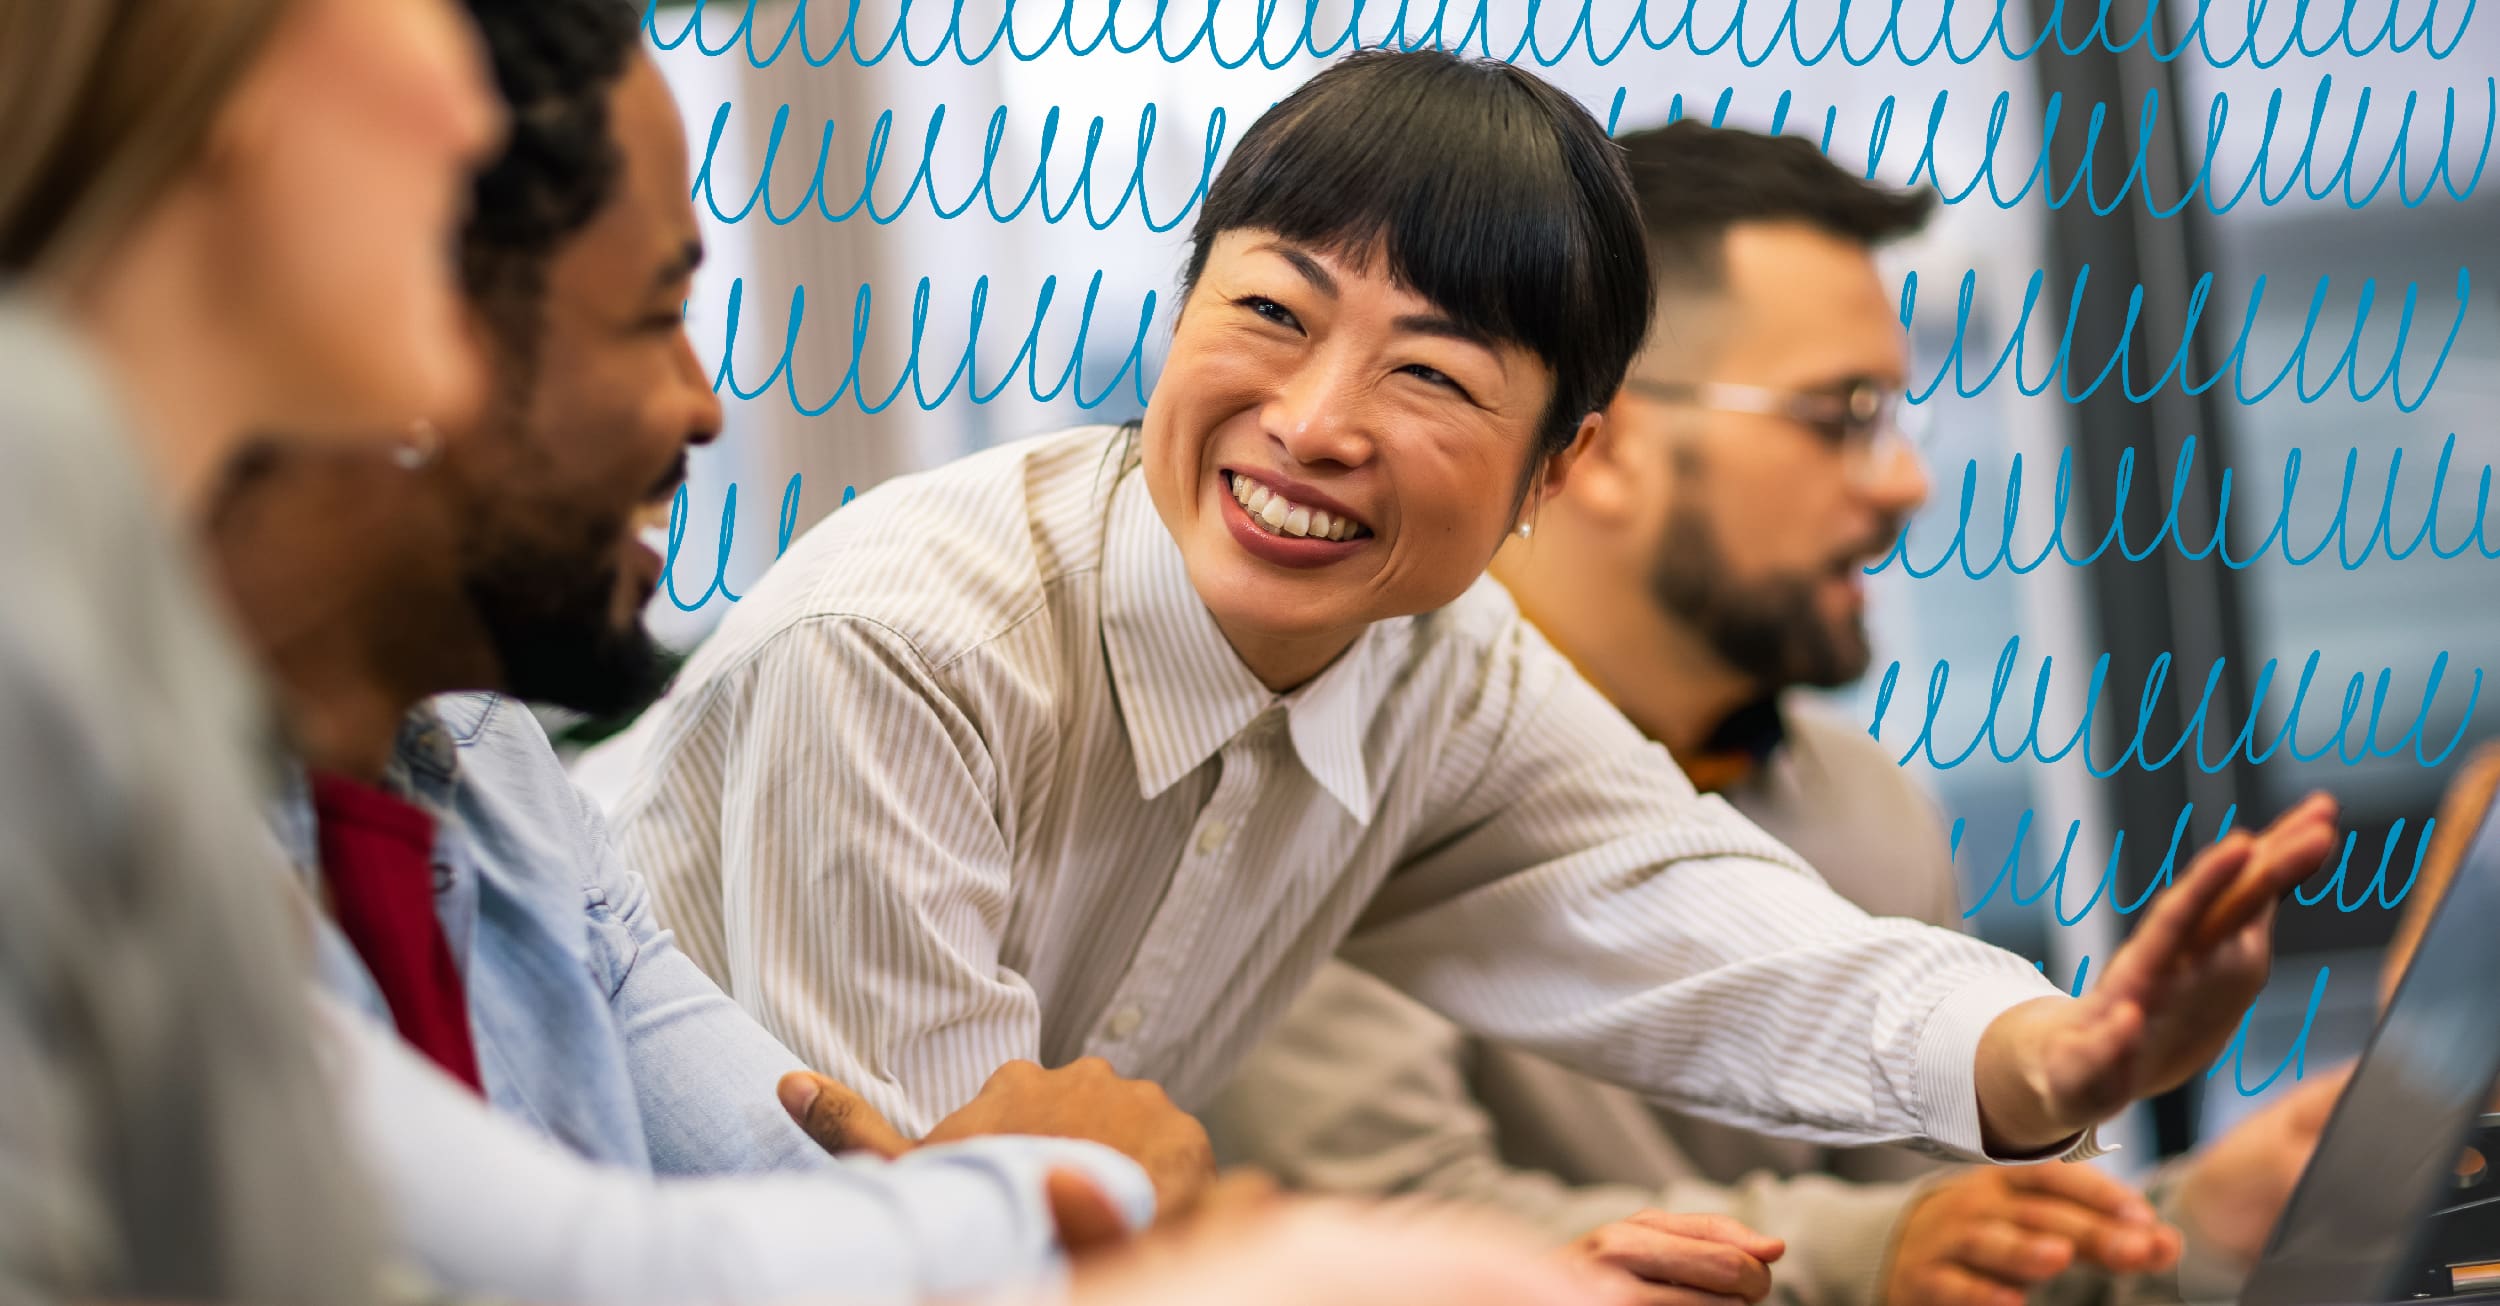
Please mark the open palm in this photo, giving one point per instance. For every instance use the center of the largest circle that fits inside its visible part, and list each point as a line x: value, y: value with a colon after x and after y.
x: 2174, y: 994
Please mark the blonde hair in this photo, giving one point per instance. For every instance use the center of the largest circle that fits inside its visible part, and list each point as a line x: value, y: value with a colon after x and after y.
x: 103, y: 105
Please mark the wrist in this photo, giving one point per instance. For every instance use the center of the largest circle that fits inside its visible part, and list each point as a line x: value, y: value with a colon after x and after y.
x: 2018, y: 1113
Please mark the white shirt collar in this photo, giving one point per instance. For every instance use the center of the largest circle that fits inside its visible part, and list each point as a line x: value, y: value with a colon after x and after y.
x: 1184, y: 693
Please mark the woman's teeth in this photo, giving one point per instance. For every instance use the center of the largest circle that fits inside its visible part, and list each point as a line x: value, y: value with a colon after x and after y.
x: 650, y: 517
x: 1285, y: 517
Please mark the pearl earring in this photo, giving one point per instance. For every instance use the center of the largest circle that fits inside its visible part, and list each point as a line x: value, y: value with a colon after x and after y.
x: 1526, y: 529
x: 419, y: 448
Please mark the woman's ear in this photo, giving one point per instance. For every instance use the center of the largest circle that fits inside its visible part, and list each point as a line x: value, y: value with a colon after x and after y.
x: 1559, y: 466
x: 1603, y: 483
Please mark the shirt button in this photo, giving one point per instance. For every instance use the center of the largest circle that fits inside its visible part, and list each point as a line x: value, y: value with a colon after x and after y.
x: 1211, y: 836
x: 1124, y: 1022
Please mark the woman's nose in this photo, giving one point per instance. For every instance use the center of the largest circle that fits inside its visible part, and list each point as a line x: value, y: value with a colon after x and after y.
x: 1317, y: 415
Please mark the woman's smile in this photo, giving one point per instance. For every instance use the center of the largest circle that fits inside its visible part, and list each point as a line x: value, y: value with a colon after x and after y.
x: 1274, y: 526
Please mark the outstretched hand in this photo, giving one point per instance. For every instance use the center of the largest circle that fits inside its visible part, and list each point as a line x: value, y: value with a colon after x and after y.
x: 2169, y: 1001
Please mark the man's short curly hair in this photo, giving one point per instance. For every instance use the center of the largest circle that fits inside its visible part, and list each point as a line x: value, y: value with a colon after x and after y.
x: 555, y: 61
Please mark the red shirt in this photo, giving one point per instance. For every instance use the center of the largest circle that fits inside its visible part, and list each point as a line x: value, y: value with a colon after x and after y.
x: 377, y: 855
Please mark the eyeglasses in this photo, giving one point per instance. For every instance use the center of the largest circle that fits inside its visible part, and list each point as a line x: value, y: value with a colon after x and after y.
x: 1866, y: 423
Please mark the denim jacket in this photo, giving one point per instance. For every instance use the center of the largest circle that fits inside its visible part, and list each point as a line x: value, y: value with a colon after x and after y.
x: 595, y: 1032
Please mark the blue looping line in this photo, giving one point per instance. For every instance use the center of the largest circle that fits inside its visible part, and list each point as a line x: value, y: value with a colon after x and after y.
x: 2292, y: 162
x: 679, y: 517
x: 1282, y: 33
x: 2191, y: 746
x: 2285, y: 540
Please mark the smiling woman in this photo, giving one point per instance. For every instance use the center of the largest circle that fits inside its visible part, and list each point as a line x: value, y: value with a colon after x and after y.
x: 1390, y: 341
x: 1099, y: 744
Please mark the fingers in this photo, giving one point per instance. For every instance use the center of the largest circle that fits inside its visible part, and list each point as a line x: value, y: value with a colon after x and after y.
x: 1949, y: 1284
x: 2284, y: 854
x: 837, y: 1118
x: 2227, y: 889
x: 2103, y: 1219
x: 2120, y: 1245
x: 1714, y: 1228
x: 2095, y: 1190
x: 2002, y: 1251
x: 2191, y: 900
x: 1086, y: 1218
x: 1674, y: 1260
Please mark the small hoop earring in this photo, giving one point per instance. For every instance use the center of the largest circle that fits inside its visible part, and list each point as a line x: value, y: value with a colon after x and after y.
x: 423, y: 442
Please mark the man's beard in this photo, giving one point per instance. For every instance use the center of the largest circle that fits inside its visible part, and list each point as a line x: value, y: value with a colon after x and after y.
x: 1771, y: 630
x: 547, y: 608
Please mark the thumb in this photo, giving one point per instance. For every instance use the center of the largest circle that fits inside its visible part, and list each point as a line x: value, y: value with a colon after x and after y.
x: 1086, y: 1219
x: 837, y: 1118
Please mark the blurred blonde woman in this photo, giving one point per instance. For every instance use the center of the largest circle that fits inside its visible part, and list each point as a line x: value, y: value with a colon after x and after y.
x: 216, y: 217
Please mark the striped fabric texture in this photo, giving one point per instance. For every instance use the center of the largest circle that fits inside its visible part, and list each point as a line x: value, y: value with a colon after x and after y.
x: 973, y: 776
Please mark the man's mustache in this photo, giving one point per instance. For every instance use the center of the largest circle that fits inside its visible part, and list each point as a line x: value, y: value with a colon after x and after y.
x: 1876, y: 542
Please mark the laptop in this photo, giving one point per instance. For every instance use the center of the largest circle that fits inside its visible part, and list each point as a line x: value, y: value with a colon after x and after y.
x: 2392, y: 1207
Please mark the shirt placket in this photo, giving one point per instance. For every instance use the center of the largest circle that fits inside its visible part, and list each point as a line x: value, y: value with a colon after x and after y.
x: 1173, y: 968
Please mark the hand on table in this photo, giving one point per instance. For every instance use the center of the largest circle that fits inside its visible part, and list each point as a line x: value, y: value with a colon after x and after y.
x: 1264, y: 1250
x: 1682, y: 1260
x: 1986, y: 1237
x: 1084, y: 1099
x: 2169, y: 1001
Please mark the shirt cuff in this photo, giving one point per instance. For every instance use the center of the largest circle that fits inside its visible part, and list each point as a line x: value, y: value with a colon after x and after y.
x: 1948, y: 1058
x: 1125, y: 1182
x: 968, y: 1247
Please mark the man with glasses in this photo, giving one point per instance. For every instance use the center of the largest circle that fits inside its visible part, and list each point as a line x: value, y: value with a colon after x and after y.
x: 1702, y: 563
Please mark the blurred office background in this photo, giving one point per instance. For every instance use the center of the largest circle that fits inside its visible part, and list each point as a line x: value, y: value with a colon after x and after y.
x: 2380, y: 616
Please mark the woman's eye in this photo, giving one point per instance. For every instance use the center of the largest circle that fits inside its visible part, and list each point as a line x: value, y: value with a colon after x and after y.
x: 1271, y: 310
x: 1435, y: 376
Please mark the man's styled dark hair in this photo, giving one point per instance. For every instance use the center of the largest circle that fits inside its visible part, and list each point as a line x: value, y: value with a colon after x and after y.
x: 1695, y: 181
x: 1490, y: 193
x: 555, y: 62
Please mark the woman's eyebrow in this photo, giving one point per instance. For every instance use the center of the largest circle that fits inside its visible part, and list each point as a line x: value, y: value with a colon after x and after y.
x: 1436, y: 324
x: 1310, y: 268
x: 1424, y: 324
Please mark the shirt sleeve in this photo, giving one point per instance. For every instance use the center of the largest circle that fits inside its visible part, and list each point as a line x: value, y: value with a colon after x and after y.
x: 56, y: 1232
x: 1586, y: 905
x: 1360, y: 1091
x: 856, y: 888
x: 485, y: 1206
x: 703, y: 1070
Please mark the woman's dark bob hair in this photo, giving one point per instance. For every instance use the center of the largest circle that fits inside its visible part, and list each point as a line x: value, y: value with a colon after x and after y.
x: 1493, y: 195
